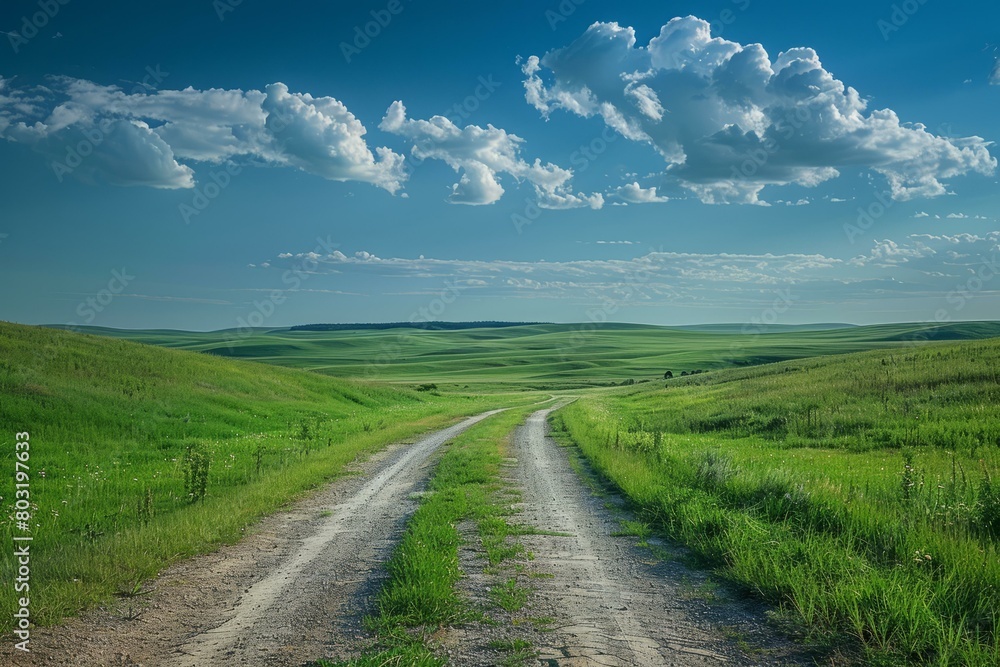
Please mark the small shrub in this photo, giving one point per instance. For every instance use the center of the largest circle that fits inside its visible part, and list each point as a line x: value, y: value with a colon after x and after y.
x: 196, y: 464
x: 144, y: 509
x: 909, y: 476
x: 258, y: 456
x: 986, y: 517
x: 713, y: 469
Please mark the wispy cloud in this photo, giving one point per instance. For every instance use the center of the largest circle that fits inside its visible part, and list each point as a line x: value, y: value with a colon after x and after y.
x: 918, y: 265
x: 179, y: 299
x: 297, y: 289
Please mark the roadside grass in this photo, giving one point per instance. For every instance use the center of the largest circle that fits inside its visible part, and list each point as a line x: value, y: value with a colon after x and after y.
x: 516, y: 651
x: 858, y: 493
x: 421, y: 593
x: 511, y: 595
x: 141, y: 456
x: 638, y: 529
x: 707, y: 591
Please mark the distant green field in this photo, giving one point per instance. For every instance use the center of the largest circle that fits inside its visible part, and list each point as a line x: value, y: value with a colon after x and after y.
x: 548, y: 356
x: 140, y: 455
x: 859, y: 493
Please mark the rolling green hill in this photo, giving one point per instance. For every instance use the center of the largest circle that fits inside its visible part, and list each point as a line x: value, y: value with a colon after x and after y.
x: 141, y: 455
x: 546, y: 356
x: 860, y: 494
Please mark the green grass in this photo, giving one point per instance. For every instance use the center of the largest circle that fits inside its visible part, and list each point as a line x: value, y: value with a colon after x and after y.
x: 141, y: 456
x: 420, y: 595
x: 510, y: 595
x: 517, y: 651
x: 510, y: 645
x: 638, y: 529
x: 858, y: 493
x: 549, y: 356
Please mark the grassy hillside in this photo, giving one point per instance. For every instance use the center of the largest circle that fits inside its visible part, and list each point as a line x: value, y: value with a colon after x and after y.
x: 545, y: 356
x: 860, y: 493
x: 141, y: 455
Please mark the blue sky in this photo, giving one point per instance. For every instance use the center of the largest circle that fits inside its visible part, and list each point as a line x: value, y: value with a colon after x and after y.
x: 202, y: 165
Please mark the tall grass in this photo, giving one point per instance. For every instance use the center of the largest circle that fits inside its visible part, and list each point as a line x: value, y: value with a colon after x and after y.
x: 856, y: 492
x: 141, y: 456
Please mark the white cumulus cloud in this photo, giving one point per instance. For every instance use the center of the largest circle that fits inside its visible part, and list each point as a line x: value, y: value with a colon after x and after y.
x: 633, y: 193
x: 482, y: 155
x: 728, y: 120
x: 147, y: 138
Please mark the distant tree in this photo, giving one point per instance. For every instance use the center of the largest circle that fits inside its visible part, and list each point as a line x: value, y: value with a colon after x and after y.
x: 668, y: 375
x: 684, y: 373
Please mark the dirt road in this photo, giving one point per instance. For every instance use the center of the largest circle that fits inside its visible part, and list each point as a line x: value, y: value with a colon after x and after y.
x: 292, y: 592
x: 297, y: 588
x: 613, y: 602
